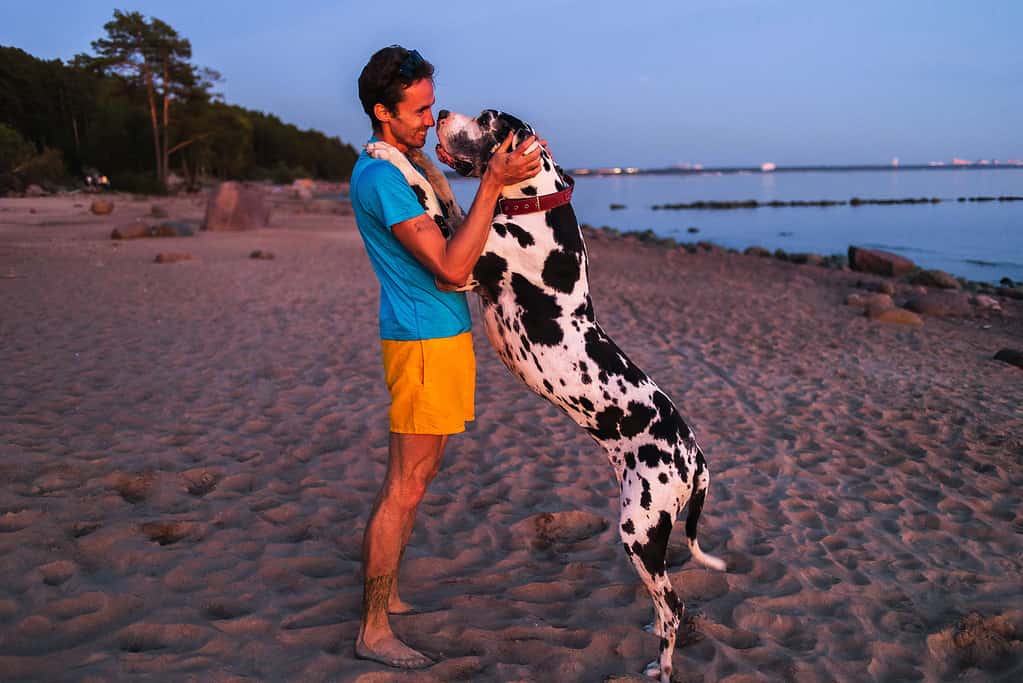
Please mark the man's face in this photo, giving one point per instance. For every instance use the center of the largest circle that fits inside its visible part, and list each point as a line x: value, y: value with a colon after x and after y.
x: 413, y: 117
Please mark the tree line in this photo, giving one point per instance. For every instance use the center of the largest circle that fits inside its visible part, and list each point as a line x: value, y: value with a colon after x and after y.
x: 138, y: 110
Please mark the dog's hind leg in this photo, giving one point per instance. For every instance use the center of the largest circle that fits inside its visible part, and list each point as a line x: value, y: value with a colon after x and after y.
x: 646, y: 523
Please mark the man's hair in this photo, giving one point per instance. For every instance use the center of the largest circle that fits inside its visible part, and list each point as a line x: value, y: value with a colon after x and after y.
x: 384, y: 80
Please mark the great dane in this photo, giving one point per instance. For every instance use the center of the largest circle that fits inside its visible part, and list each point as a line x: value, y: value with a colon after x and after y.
x: 532, y: 284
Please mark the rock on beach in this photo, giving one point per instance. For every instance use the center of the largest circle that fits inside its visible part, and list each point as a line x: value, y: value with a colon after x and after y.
x: 236, y: 206
x: 879, y: 262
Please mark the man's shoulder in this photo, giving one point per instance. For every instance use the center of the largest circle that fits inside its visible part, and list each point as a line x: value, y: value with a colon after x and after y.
x: 370, y: 172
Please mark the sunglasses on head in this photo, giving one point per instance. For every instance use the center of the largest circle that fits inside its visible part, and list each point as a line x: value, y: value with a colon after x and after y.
x: 413, y: 60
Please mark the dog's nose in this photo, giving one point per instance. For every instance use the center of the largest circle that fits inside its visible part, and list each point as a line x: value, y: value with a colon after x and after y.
x: 442, y: 114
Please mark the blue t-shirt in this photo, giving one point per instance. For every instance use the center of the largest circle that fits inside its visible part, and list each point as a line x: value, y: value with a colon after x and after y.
x: 411, y: 306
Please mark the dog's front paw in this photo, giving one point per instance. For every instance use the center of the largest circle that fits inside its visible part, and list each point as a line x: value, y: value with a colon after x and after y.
x: 381, y: 150
x: 470, y: 285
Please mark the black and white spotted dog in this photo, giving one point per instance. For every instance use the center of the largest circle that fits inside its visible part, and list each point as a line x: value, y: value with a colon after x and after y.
x: 532, y: 282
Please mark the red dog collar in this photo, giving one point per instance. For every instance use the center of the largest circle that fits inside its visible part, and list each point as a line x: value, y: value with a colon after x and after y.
x: 521, y: 205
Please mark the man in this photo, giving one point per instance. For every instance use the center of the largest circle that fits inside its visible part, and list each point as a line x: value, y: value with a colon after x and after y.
x: 427, y: 347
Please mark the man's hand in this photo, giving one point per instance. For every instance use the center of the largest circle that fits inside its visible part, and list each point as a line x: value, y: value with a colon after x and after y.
x: 511, y: 168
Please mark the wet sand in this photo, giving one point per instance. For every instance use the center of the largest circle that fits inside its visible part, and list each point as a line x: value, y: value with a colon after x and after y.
x: 190, y: 450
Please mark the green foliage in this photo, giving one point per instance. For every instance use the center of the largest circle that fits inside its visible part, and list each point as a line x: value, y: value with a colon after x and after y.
x: 46, y: 169
x: 14, y: 149
x: 95, y: 110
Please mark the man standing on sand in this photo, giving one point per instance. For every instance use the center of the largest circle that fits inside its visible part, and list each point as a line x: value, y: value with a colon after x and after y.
x: 427, y: 347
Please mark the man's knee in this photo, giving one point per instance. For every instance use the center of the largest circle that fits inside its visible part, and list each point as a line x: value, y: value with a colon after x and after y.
x: 405, y: 493
x: 414, y: 462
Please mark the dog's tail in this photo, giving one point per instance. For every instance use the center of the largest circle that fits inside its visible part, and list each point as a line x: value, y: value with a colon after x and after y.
x: 695, y: 508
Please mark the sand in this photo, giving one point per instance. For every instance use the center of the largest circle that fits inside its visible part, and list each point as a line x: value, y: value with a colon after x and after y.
x: 189, y: 451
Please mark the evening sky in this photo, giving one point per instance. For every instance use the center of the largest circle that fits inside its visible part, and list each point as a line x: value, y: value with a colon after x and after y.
x: 648, y: 84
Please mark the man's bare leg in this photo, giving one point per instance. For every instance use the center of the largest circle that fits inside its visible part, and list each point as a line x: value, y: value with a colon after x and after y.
x: 396, y: 605
x: 413, y: 461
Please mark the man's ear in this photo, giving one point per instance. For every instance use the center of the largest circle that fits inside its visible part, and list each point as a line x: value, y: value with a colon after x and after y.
x: 382, y: 113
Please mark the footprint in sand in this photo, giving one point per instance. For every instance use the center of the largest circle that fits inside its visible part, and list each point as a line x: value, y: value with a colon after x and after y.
x: 568, y: 526
x: 134, y: 488
x: 166, y: 533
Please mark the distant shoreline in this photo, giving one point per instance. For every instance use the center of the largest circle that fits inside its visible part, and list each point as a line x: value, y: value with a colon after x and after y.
x: 788, y: 169
x: 749, y: 170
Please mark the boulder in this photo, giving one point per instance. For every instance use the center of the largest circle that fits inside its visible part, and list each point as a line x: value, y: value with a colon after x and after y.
x: 757, y: 251
x: 1010, y: 292
x: 986, y: 303
x: 895, y: 316
x: 234, y: 206
x: 34, y: 191
x: 935, y: 278
x: 101, y: 207
x: 165, y: 229
x: 941, y: 304
x: 172, y: 229
x: 172, y: 257
x: 865, y: 301
x: 879, y: 262
x: 807, y: 259
x: 130, y: 231
x: 1010, y: 356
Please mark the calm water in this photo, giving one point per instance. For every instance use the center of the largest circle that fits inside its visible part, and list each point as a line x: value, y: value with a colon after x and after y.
x: 979, y: 241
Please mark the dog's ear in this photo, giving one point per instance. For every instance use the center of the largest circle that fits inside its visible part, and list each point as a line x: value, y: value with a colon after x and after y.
x: 514, y: 125
x: 466, y: 169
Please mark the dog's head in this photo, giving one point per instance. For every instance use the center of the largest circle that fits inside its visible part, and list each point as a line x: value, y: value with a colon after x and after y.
x: 466, y: 144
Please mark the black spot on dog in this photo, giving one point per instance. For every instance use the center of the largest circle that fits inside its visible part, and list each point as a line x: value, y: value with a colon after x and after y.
x: 524, y: 238
x: 488, y: 272
x: 653, y: 551
x: 663, y: 478
x: 500, y: 229
x: 645, y: 499
x: 547, y: 167
x: 667, y: 426
x: 540, y: 312
x: 630, y: 461
x: 561, y: 271
x: 561, y: 219
x: 607, y: 423
x: 420, y: 195
x: 529, y: 191
x: 610, y: 359
x: 548, y: 386
x: 628, y: 527
x: 652, y: 456
x: 584, y: 310
x: 586, y: 403
x: 680, y: 465
x: 638, y: 418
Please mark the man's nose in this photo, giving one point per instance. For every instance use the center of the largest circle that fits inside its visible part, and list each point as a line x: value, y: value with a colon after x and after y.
x: 442, y: 114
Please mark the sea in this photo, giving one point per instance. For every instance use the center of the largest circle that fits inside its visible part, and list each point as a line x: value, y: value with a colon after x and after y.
x: 980, y: 241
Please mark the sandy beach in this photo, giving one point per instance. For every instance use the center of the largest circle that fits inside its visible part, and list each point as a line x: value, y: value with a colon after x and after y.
x: 189, y: 452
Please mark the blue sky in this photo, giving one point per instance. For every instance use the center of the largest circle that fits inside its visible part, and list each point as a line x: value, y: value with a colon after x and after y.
x: 651, y: 84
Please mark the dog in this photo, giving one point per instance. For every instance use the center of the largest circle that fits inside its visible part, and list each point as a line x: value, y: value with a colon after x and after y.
x: 536, y: 309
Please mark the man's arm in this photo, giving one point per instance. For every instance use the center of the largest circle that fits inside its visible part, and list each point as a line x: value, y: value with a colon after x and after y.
x: 452, y: 260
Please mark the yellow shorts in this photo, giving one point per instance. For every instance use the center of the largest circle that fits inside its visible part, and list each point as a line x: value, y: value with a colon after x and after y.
x: 432, y: 384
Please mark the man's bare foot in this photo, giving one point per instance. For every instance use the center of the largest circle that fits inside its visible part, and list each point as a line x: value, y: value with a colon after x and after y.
x: 392, y: 652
